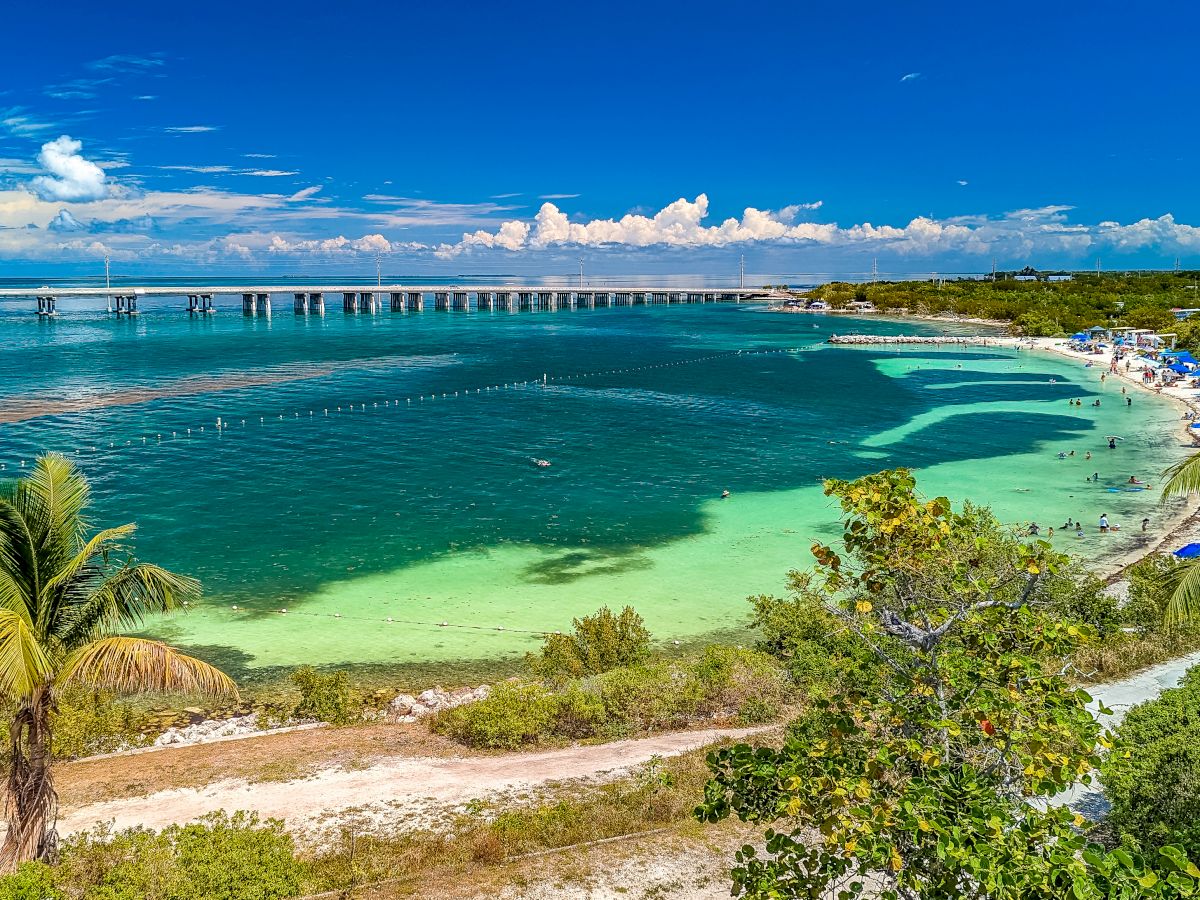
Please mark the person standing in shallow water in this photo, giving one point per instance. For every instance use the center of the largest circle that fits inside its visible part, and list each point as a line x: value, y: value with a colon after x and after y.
x: 1104, y: 523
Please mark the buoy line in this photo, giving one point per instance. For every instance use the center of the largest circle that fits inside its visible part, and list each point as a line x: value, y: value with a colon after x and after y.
x: 224, y: 424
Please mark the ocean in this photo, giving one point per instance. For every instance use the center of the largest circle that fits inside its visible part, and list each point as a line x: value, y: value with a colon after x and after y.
x: 375, y: 476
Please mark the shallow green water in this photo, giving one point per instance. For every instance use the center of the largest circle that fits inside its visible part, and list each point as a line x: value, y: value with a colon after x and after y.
x: 431, y: 510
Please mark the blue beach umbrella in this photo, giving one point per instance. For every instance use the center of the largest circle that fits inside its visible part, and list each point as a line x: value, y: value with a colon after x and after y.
x: 1189, y: 551
x: 1079, y: 336
x: 1180, y: 368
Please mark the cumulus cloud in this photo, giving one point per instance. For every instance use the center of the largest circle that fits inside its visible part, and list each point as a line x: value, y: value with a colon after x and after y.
x: 1044, y: 231
x: 64, y: 222
x: 679, y: 224
x: 71, y: 178
x: 341, y: 246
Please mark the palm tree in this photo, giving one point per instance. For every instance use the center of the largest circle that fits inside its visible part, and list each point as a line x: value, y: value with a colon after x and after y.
x: 64, y: 593
x: 1183, y: 478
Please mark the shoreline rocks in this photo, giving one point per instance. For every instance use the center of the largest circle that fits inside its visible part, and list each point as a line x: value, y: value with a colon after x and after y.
x: 405, y: 708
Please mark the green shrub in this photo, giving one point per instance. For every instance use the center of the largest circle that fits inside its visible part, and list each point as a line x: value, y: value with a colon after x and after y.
x: 1151, y: 776
x: 822, y: 657
x: 512, y: 715
x: 756, y: 711
x: 324, y: 696
x: 597, y: 644
x: 221, y: 857
x: 31, y: 881
x: 1150, y: 588
x: 87, y: 722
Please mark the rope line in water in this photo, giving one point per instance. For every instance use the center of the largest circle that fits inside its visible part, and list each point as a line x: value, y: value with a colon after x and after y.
x: 546, y: 380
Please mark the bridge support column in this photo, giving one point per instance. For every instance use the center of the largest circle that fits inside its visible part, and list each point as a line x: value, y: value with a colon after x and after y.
x: 366, y: 302
x: 264, y: 304
x: 545, y: 300
x: 416, y: 301
x: 300, y: 304
x: 461, y: 301
x: 316, y: 303
x: 674, y: 297
x: 524, y: 299
x: 562, y: 300
x: 639, y: 299
x: 504, y: 300
x: 584, y: 300
x: 193, y: 303
x: 45, y: 305
x: 483, y: 300
x: 441, y: 301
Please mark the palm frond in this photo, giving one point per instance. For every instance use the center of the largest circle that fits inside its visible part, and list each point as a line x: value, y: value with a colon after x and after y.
x: 128, y: 665
x: 1183, y: 581
x: 24, y: 662
x: 57, y: 485
x: 1183, y: 478
x: 125, y: 599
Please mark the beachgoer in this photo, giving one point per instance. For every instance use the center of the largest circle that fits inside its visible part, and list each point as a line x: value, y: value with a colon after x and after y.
x: 1033, y: 529
x: 1145, y: 524
x: 1129, y: 401
x: 724, y: 494
x: 1088, y: 455
x: 1096, y: 476
x: 1078, y: 529
x: 1069, y: 524
x: 1072, y: 453
x: 1061, y: 455
x: 1050, y: 532
x: 1112, y: 443
x: 1133, y: 479
x: 1104, y: 523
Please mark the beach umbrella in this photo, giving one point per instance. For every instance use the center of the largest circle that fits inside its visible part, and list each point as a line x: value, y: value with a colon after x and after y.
x: 1184, y: 357
x: 1188, y: 551
x: 1180, y: 368
x: 1079, y: 336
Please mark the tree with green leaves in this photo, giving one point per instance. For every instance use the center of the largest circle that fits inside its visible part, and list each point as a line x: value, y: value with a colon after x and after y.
x: 65, y: 594
x: 921, y: 784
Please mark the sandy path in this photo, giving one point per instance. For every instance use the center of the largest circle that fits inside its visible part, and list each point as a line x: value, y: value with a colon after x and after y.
x: 393, y: 788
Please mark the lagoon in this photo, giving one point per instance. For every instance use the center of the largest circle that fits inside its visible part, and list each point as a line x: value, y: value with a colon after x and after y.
x: 375, y: 523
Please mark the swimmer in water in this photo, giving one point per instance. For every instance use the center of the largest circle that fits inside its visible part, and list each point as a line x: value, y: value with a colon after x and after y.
x: 1088, y: 455
x: 724, y: 494
x: 1112, y: 443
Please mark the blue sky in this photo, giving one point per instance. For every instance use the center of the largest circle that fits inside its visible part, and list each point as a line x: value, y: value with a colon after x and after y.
x: 644, y: 137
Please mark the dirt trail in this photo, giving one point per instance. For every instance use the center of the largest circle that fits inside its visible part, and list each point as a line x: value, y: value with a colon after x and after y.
x: 390, y: 790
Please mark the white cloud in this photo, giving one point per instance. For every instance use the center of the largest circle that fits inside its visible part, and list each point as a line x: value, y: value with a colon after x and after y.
x: 190, y: 129
x: 911, y: 76
x: 64, y: 221
x: 202, y: 170
x: 15, y: 121
x: 71, y: 177
x: 259, y: 155
x: 146, y: 97
x: 267, y: 173
x: 558, y: 196
x: 305, y: 193
x: 962, y: 182
x: 368, y: 244
x: 123, y: 62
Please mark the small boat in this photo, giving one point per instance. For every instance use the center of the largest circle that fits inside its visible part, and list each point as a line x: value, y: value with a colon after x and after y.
x: 541, y: 463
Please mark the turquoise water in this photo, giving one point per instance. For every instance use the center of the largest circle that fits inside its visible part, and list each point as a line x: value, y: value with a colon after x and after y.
x: 422, y: 508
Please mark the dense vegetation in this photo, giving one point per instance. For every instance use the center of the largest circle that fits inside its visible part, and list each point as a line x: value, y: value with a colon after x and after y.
x: 1040, y: 308
x: 919, y: 780
x: 1152, y: 777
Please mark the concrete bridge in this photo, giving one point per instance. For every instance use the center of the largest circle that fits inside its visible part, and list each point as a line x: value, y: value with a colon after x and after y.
x: 311, y: 300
